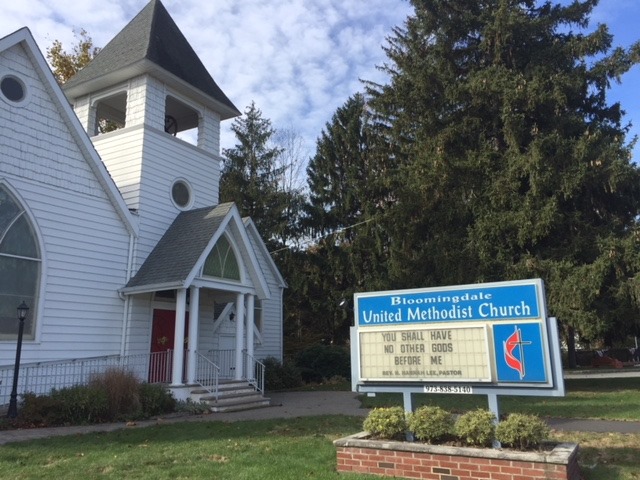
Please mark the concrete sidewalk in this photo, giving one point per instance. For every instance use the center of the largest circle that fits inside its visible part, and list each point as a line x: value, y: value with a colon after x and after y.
x: 289, y: 405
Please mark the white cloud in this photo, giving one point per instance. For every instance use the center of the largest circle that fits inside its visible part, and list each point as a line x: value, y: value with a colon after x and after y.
x: 299, y: 60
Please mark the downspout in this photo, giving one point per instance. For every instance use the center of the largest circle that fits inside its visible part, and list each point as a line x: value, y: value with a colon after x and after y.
x: 126, y: 315
x: 281, y: 324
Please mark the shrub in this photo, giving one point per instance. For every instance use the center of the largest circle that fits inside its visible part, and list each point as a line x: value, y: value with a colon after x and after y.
x: 121, y: 388
x: 38, y: 411
x: 155, y: 400
x: 78, y: 405
x: 280, y: 376
x: 114, y: 395
x: 386, y: 423
x: 476, y: 428
x: 431, y: 424
x: 321, y: 362
x: 522, y: 431
x: 67, y: 406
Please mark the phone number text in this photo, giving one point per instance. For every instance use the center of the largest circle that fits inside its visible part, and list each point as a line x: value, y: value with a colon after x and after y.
x: 465, y: 389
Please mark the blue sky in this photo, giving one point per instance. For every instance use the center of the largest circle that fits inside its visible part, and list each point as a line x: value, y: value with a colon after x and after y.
x: 299, y: 60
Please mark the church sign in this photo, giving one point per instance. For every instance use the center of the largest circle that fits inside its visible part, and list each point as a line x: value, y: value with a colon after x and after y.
x: 459, y: 339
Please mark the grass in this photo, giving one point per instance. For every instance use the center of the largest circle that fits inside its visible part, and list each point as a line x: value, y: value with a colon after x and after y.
x: 597, y: 398
x: 280, y: 449
x: 283, y: 449
x: 606, y: 456
x: 302, y: 448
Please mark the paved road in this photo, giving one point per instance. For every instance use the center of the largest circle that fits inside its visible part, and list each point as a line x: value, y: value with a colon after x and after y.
x: 290, y: 405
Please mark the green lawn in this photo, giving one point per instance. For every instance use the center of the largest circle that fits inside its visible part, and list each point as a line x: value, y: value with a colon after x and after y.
x: 600, y: 398
x: 302, y: 448
x: 608, y: 456
x: 269, y: 449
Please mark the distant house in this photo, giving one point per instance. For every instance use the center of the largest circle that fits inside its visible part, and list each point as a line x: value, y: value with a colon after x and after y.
x: 116, y: 241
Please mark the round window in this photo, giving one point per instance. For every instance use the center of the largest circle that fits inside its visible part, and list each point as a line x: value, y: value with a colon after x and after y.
x: 12, y: 88
x: 181, y: 194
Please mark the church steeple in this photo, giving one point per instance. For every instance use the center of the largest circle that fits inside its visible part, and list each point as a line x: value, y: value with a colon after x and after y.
x: 146, y: 87
x: 151, y: 42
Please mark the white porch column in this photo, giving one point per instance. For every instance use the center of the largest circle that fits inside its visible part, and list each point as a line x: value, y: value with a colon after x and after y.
x: 250, y: 333
x: 178, y: 343
x: 194, y: 323
x: 239, y: 335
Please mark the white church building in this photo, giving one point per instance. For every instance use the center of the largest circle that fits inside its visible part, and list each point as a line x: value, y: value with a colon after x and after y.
x: 111, y: 230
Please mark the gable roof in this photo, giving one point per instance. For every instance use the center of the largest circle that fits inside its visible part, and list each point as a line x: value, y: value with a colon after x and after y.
x: 253, y: 230
x: 150, y: 43
x: 24, y: 38
x: 176, y: 259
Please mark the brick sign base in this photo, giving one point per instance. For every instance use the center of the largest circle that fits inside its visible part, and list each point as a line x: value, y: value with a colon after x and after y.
x: 356, y: 453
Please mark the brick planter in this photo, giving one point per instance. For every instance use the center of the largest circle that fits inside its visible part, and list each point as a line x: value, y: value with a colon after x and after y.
x: 357, y: 453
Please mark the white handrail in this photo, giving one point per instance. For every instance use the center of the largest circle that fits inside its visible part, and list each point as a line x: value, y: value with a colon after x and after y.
x: 258, y: 370
x: 207, y: 374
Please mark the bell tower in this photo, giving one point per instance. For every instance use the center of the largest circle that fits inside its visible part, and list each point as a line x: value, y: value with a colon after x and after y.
x: 153, y: 112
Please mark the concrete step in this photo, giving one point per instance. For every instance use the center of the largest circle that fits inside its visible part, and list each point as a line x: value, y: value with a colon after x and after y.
x: 236, y: 390
x: 237, y: 402
x: 232, y: 396
x: 265, y: 402
x: 223, y: 392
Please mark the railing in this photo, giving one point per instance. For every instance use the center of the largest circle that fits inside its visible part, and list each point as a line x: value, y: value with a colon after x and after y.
x: 160, y: 366
x: 41, y: 377
x: 207, y: 374
x: 225, y: 359
x: 258, y: 372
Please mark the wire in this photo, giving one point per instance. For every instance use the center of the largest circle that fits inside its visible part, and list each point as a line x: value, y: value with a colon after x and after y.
x: 319, y: 237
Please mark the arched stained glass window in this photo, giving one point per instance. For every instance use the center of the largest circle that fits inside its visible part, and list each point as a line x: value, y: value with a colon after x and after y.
x: 222, y: 262
x: 19, y: 267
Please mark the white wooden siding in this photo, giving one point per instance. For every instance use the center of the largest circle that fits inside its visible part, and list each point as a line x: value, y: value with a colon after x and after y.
x: 139, y: 328
x: 81, y: 311
x: 272, y: 314
x: 165, y: 159
x: 34, y: 140
x: 121, y: 152
x: 84, y: 242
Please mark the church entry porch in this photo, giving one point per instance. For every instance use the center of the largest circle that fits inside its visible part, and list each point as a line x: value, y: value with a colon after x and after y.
x: 215, y: 327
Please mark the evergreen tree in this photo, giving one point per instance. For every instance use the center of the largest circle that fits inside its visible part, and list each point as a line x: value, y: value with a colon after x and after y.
x: 250, y: 177
x: 345, y: 202
x: 338, y: 172
x: 348, y: 193
x: 510, y: 160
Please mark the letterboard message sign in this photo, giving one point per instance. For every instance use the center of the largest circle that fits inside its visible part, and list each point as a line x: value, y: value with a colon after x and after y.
x: 424, y: 354
x: 485, y: 334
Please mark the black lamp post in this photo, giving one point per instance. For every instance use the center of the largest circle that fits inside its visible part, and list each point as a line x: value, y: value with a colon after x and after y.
x: 13, y: 400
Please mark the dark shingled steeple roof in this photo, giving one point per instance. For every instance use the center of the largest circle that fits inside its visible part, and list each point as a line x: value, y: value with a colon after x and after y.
x: 151, y: 37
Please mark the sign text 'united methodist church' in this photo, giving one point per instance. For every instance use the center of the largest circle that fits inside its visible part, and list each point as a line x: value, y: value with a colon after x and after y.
x: 468, y: 304
x: 493, y: 333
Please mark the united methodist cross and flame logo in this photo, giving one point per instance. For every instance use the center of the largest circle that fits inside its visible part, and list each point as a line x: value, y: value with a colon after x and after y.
x: 514, y: 352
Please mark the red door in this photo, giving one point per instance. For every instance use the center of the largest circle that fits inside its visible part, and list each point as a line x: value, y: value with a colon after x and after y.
x: 162, y: 340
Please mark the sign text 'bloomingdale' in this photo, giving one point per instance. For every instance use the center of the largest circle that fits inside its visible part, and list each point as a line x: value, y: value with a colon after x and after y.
x: 486, y: 333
